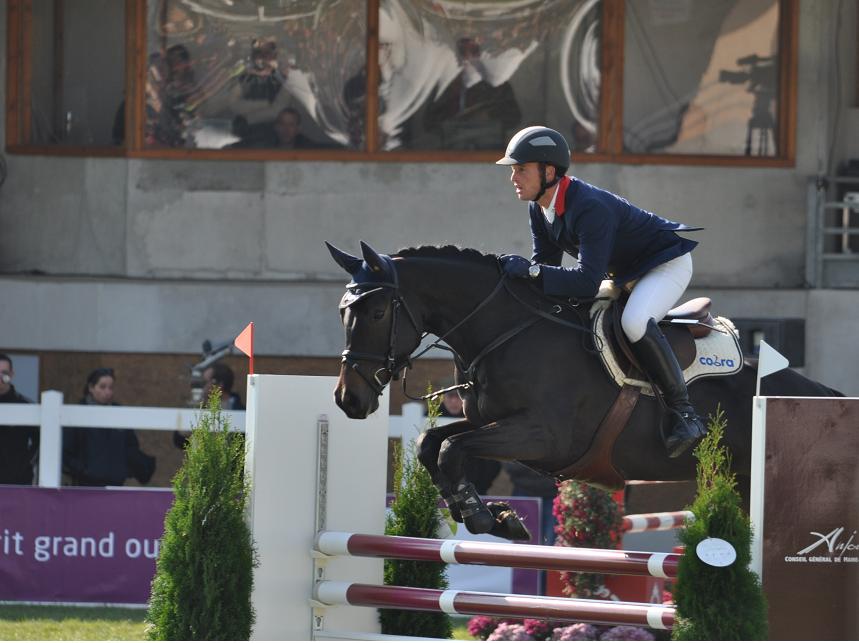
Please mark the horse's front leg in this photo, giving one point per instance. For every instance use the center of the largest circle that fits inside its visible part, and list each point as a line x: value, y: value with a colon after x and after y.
x: 516, y: 438
x: 428, y: 445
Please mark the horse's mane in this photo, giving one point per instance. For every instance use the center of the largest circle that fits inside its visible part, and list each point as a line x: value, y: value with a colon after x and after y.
x: 447, y: 252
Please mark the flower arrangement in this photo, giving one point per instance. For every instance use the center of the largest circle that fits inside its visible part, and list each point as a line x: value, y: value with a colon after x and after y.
x: 492, y: 629
x: 586, y: 517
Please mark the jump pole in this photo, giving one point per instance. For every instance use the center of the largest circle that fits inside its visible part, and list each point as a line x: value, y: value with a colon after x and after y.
x: 575, y: 559
x: 297, y: 440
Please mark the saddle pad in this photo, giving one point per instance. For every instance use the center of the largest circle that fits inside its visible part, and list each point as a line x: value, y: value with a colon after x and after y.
x: 718, y: 353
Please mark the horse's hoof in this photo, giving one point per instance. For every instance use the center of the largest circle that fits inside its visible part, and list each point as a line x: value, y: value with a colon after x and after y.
x: 508, y: 525
x: 480, y: 522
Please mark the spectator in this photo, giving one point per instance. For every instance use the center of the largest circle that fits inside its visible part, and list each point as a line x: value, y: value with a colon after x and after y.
x: 287, y: 130
x: 19, y: 445
x: 170, y: 102
x: 479, y: 471
x: 102, y: 457
x: 220, y: 375
x: 472, y: 113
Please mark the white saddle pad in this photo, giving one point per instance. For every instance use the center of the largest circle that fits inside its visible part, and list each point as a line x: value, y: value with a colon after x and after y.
x: 718, y: 353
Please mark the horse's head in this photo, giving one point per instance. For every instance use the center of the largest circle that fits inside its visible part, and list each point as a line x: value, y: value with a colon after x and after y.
x: 381, y: 331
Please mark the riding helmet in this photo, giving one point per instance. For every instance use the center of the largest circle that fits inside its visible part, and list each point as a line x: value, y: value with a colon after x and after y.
x: 537, y: 144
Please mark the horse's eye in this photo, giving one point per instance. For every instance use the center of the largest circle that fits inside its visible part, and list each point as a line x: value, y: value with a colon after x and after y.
x: 378, y: 314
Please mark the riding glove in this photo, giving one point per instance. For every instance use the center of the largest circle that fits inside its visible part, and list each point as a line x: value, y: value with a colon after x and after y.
x: 515, y: 266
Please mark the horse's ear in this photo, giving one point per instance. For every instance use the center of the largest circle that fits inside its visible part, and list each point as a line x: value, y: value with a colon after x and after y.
x: 376, y: 263
x: 346, y: 261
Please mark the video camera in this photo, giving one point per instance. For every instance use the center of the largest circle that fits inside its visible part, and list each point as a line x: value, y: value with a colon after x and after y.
x: 760, y: 72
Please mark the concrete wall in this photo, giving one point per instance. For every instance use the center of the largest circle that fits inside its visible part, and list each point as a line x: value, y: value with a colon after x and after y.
x: 153, y: 256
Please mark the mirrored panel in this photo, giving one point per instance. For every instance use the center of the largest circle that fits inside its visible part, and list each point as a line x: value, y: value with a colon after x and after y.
x: 458, y: 75
x: 77, y: 73
x: 701, y: 77
x: 273, y: 74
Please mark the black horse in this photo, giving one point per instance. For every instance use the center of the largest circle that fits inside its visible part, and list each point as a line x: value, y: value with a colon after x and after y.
x: 536, y: 391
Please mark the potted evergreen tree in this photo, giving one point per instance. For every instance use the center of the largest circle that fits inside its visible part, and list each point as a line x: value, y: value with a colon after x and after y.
x: 204, y: 575
x: 718, y: 603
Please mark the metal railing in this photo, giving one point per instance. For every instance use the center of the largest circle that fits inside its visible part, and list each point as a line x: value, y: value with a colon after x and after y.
x: 832, y: 252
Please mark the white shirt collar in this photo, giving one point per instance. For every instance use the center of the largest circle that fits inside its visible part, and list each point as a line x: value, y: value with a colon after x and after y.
x: 549, y: 212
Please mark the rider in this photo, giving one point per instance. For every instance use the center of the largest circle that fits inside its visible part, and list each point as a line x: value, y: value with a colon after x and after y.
x: 609, y: 236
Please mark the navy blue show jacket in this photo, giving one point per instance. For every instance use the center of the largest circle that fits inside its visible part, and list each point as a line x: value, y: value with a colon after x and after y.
x: 611, y: 238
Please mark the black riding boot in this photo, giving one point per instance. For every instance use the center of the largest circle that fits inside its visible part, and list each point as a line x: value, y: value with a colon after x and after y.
x: 660, y: 363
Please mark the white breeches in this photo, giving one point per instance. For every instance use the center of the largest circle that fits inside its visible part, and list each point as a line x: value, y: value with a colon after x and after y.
x: 655, y: 294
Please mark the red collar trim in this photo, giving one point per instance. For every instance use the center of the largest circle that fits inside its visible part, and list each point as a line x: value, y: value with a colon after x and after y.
x: 563, y: 184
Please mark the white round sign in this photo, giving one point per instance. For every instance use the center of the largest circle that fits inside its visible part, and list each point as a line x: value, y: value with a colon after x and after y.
x: 716, y: 552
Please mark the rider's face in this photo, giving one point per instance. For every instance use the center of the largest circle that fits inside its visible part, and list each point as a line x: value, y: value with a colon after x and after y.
x: 525, y: 177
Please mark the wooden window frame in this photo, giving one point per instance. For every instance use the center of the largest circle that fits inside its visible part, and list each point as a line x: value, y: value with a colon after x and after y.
x: 609, y: 143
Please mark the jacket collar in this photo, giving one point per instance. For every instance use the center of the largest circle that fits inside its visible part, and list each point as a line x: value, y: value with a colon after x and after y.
x: 560, y: 199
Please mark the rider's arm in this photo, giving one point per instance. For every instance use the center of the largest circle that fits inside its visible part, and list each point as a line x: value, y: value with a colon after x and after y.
x: 595, y: 227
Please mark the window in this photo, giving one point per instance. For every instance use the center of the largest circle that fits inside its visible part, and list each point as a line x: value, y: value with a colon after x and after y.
x: 243, y: 74
x: 638, y: 81
x: 467, y: 76
x: 71, y: 73
x: 701, y: 77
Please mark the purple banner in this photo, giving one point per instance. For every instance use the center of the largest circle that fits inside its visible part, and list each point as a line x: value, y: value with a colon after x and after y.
x: 83, y: 545
x: 79, y: 545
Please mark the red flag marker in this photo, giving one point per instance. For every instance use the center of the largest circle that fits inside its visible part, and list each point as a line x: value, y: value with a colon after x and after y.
x: 245, y: 343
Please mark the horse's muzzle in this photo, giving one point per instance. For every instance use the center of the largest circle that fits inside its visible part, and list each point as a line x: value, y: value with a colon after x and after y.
x: 356, y: 406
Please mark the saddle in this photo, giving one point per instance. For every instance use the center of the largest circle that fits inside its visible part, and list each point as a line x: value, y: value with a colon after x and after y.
x: 705, y: 346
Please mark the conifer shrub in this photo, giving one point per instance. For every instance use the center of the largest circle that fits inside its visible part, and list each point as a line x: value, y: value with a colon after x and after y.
x: 204, y: 574
x: 718, y: 603
x: 415, y: 513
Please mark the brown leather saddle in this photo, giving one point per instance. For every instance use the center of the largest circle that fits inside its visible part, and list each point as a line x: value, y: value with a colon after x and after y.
x: 681, y: 326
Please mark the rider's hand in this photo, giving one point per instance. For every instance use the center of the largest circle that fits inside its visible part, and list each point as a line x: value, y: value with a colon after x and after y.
x: 515, y: 266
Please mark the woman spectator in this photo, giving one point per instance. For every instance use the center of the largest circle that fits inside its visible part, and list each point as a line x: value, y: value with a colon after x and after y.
x: 103, y: 457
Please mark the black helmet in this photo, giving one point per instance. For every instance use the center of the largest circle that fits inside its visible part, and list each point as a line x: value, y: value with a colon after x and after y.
x: 538, y: 144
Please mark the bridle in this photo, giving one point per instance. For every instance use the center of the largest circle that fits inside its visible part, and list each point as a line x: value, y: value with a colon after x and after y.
x: 392, y: 364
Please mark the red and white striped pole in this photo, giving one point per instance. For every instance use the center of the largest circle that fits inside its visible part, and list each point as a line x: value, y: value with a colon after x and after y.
x: 663, y: 521
x: 578, y: 559
x: 491, y: 604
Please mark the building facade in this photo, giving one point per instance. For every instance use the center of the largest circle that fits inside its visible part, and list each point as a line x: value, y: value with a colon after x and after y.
x: 136, y: 248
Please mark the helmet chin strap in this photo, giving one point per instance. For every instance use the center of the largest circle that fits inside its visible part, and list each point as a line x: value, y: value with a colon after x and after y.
x: 544, y: 185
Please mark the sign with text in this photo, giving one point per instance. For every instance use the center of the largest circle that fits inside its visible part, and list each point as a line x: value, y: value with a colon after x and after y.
x: 811, y: 518
x: 79, y: 545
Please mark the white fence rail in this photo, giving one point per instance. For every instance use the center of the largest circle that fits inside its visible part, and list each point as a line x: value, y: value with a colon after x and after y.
x: 52, y: 414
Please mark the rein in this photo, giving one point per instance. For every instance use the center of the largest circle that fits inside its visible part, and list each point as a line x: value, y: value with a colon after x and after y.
x: 392, y: 365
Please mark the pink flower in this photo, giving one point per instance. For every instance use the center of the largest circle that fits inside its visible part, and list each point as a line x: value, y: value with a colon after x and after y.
x: 482, y: 626
x: 509, y: 632
x: 626, y: 633
x: 577, y: 632
x: 536, y: 629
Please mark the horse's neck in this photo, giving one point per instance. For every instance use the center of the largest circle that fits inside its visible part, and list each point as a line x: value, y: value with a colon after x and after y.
x: 447, y: 295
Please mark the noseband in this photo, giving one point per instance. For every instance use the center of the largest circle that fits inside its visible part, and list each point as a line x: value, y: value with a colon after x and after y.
x: 392, y: 365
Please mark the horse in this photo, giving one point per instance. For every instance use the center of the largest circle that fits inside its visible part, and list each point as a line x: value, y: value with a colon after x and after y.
x: 534, y: 391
